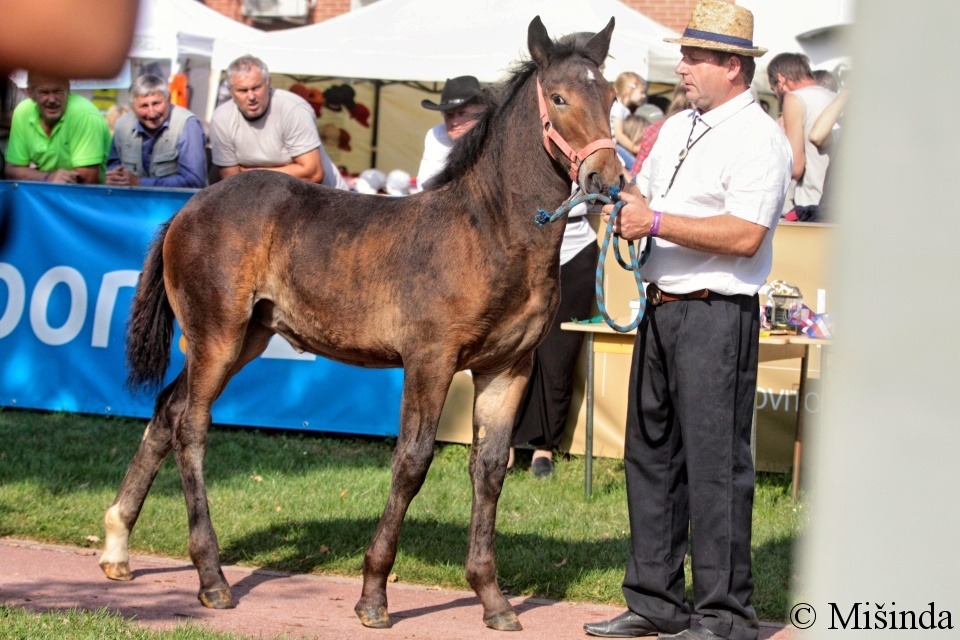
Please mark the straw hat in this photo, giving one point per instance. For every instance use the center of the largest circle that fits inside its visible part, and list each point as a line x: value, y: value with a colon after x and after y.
x: 721, y: 26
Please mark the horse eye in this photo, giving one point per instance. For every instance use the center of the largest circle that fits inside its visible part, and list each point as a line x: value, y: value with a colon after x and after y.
x: 558, y: 99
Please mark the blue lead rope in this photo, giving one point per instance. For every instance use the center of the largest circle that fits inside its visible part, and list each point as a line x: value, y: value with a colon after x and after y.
x: 635, y: 266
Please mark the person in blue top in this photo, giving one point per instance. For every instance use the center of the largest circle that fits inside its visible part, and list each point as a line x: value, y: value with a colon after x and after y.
x: 158, y: 144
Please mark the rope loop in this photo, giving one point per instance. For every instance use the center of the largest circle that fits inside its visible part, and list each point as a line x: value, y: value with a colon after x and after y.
x: 636, y: 263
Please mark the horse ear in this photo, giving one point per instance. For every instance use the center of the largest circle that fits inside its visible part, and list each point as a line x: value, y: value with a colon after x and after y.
x: 539, y: 42
x: 598, y: 46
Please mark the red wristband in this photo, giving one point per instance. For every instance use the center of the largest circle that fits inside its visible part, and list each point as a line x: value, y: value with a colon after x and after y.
x: 46, y: 178
x: 655, y: 225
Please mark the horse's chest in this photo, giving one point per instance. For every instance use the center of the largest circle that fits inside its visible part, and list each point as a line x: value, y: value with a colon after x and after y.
x: 524, y: 324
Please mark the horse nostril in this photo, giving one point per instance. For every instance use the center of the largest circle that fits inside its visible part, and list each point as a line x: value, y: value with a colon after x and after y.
x: 594, y: 182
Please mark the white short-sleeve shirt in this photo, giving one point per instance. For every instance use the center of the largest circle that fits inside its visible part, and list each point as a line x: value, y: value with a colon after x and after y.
x: 741, y: 165
x: 287, y: 130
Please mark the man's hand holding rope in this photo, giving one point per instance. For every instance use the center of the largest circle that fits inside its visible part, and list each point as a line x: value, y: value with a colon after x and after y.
x: 635, y: 217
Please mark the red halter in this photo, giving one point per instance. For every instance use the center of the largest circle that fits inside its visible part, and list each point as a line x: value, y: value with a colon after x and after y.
x: 576, y: 158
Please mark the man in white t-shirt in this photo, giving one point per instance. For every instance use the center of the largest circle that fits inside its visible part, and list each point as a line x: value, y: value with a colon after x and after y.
x: 459, y: 107
x: 804, y: 100
x: 265, y: 128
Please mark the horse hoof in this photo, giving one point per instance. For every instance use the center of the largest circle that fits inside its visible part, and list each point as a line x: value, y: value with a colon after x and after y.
x: 506, y: 621
x: 217, y: 598
x: 117, y: 570
x: 373, y: 617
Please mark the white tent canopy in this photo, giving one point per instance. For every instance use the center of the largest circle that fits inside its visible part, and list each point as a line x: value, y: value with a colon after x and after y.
x: 170, y: 29
x: 178, y: 35
x: 663, y: 56
x: 423, y: 40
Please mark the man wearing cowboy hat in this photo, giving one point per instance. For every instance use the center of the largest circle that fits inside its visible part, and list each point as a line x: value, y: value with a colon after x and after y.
x: 459, y: 107
x: 708, y: 199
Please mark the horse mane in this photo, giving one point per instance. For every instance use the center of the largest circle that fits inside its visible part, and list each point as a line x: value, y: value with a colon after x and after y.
x: 465, y: 151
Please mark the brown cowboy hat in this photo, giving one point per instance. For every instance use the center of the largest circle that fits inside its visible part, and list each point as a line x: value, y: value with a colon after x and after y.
x: 721, y: 26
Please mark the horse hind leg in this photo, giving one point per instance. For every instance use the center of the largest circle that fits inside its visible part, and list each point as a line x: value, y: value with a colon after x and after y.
x: 122, y: 515
x: 211, y: 364
x: 495, y: 406
x: 424, y: 391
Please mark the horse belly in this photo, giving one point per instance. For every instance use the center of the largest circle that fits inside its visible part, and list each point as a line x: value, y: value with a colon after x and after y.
x: 345, y: 339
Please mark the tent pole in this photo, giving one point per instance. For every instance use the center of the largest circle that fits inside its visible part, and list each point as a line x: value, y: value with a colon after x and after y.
x: 377, y: 84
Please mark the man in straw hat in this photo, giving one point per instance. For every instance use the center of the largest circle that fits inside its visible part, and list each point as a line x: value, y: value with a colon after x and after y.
x: 708, y: 199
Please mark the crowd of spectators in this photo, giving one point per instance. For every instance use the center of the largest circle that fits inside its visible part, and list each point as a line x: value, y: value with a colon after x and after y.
x: 55, y: 135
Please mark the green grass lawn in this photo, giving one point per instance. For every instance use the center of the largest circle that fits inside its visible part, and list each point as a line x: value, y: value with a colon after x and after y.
x: 20, y: 624
x: 309, y: 503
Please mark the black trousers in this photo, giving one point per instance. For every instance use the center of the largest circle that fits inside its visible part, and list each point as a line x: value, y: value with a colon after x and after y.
x: 543, y: 412
x: 689, y: 471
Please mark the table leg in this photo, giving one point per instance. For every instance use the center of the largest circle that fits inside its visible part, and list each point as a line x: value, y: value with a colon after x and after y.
x: 798, y: 440
x: 588, y: 444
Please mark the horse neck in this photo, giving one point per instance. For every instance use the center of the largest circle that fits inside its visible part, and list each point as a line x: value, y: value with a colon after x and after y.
x: 514, y: 176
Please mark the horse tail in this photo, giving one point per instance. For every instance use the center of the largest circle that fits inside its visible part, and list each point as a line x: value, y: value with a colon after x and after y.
x: 150, y: 328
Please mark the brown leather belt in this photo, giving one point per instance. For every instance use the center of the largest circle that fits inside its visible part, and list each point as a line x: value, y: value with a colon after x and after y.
x: 657, y: 296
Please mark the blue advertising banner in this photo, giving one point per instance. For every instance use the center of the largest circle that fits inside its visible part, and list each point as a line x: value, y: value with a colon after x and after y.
x: 69, y: 260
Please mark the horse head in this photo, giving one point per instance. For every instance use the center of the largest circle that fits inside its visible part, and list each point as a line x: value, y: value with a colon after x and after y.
x: 575, y: 100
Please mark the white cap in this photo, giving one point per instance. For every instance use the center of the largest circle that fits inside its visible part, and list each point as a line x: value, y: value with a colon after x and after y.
x: 398, y: 183
x: 371, y: 181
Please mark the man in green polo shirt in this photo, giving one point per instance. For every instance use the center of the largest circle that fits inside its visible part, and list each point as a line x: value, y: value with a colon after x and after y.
x: 56, y: 136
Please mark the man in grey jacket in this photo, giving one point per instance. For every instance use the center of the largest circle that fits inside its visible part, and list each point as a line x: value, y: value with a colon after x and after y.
x: 158, y: 144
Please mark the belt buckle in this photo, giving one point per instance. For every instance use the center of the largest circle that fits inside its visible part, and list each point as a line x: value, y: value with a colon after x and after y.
x: 653, y: 294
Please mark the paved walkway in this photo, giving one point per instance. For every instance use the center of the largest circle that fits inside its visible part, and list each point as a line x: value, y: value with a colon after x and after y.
x: 162, y: 595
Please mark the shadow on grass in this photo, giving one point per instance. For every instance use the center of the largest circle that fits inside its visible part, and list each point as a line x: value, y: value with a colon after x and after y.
x: 561, y: 566
x: 560, y: 563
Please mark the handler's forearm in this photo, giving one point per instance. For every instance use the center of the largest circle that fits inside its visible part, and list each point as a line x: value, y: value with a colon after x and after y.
x: 724, y: 234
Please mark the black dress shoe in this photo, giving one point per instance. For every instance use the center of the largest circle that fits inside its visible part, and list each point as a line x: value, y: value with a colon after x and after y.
x: 626, y: 625
x: 696, y: 632
x: 541, y: 467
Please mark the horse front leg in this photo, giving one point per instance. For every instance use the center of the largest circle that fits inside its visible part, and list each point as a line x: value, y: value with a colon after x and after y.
x: 496, y: 402
x: 122, y: 515
x: 424, y: 392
